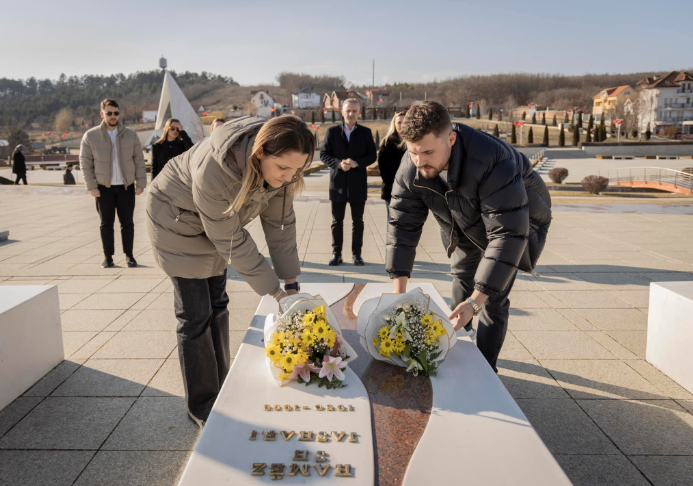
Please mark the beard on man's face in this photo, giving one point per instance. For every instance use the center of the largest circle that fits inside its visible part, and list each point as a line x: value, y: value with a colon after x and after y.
x: 112, y: 122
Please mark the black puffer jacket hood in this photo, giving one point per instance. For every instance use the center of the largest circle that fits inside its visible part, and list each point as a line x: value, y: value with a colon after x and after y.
x: 493, y: 197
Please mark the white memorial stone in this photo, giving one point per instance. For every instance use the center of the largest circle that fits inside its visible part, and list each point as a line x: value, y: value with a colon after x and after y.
x: 670, y: 330
x: 31, y: 341
x: 224, y: 453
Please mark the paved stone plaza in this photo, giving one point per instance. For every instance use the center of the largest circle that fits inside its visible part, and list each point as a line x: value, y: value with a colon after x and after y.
x: 574, y: 357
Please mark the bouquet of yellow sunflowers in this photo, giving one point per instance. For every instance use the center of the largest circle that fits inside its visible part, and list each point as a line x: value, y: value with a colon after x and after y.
x: 407, y: 330
x: 305, y: 344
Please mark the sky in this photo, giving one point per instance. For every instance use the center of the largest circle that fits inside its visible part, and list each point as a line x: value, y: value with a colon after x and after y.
x: 411, y: 41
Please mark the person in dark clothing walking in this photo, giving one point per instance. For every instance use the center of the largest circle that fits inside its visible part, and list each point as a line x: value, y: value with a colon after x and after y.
x: 172, y: 143
x: 494, y: 212
x: 390, y: 154
x: 69, y: 177
x: 348, y: 149
x: 19, y: 164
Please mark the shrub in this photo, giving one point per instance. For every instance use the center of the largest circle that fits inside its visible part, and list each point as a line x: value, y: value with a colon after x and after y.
x: 490, y: 113
x: 513, y: 135
x: 558, y: 174
x: 555, y: 124
x: 546, y: 136
x: 534, y: 118
x: 377, y: 138
x: 594, y: 184
x: 333, y: 120
x: 634, y: 133
x: 530, y: 136
x: 478, y: 111
x: 543, y: 118
x: 524, y: 115
x: 561, y: 138
x: 322, y: 116
x: 576, y: 135
x: 496, y: 133
x: 312, y: 117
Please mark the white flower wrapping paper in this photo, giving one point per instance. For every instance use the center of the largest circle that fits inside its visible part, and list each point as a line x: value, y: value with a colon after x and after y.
x: 302, y: 303
x: 372, y: 317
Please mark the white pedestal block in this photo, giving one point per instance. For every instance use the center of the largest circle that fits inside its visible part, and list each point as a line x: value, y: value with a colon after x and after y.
x: 31, y: 340
x: 670, y: 330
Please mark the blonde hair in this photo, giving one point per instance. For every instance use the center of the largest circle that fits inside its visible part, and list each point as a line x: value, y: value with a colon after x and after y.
x: 286, y: 133
x: 167, y: 127
x: 393, y: 129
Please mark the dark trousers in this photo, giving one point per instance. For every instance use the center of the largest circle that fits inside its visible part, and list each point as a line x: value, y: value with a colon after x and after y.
x: 116, y: 199
x: 338, y: 212
x: 201, y: 307
x: 493, y: 319
x: 20, y: 177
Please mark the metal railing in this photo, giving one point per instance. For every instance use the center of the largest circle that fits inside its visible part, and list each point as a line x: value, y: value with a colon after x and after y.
x: 681, y: 182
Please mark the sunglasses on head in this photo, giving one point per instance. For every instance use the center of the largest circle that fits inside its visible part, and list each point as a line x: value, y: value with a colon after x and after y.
x: 111, y: 113
x: 174, y: 129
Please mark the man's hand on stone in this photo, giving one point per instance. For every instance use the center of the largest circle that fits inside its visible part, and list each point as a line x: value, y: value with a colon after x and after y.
x: 95, y: 193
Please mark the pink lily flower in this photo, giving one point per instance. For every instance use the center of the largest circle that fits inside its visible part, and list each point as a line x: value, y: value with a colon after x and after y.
x: 332, y: 367
x: 303, y: 370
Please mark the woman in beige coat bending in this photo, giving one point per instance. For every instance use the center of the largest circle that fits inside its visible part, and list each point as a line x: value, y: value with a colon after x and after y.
x: 197, y: 208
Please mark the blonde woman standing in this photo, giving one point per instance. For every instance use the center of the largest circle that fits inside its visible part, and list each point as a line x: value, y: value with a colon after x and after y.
x: 390, y: 154
x: 173, y: 142
x: 197, y: 209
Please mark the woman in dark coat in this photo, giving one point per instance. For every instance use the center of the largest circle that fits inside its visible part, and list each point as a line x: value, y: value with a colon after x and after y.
x: 68, y: 176
x: 19, y: 164
x: 172, y: 143
x: 389, y: 156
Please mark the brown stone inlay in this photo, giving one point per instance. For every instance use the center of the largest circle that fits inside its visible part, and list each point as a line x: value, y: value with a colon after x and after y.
x: 400, y: 403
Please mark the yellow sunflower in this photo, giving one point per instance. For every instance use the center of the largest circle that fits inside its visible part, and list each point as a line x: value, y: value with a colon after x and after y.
x: 288, y: 362
x: 273, y: 352
x: 386, y: 346
x: 384, y: 332
x: 375, y: 342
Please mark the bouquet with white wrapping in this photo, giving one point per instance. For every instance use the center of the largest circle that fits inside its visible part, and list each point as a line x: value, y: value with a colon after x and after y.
x: 408, y: 330
x: 305, y: 343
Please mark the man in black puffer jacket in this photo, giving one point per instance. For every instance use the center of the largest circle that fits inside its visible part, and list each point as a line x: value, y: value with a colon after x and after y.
x: 494, y: 212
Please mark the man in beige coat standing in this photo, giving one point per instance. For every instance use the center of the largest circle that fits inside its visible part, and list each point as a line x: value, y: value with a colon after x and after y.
x: 113, y: 168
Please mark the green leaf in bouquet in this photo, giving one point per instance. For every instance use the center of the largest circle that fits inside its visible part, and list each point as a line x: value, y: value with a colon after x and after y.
x: 424, y: 363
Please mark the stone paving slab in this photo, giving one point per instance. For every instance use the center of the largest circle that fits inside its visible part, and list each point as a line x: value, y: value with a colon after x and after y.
x: 572, y: 358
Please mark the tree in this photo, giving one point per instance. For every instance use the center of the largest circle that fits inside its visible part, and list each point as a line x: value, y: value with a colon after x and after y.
x: 490, y: 113
x: 374, y: 114
x: 317, y: 139
x: 333, y: 116
x: 530, y: 136
x: 588, y: 137
x: 566, y: 118
x: 377, y: 138
x: 561, y: 138
x: 363, y: 113
x: 385, y: 113
x: 496, y: 133
x: 579, y: 122
x: 524, y: 115
x: 322, y: 116
x: 545, y: 142
x: 576, y: 135
x: 543, y: 118
x: 17, y: 137
x: 500, y: 115
x: 534, y: 118
x: 513, y: 135
x: 468, y: 115
x: 590, y: 123
x: 555, y: 124
x: 478, y: 111
x: 63, y: 120
x: 648, y: 132
x: 602, y: 130
x: 312, y: 117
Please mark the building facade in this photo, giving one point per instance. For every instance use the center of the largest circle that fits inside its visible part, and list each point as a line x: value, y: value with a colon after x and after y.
x: 613, y: 102
x: 667, y: 101
x: 262, y: 102
x: 306, y: 98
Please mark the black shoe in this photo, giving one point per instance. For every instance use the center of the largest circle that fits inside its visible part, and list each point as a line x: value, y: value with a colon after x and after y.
x: 108, y: 263
x: 336, y: 260
x: 130, y: 260
x: 358, y: 261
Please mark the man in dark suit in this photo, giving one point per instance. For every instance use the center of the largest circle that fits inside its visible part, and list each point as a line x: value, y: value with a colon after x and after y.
x: 348, y: 149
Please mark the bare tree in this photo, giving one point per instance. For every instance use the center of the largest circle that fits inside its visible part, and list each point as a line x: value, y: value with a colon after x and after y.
x: 63, y: 120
